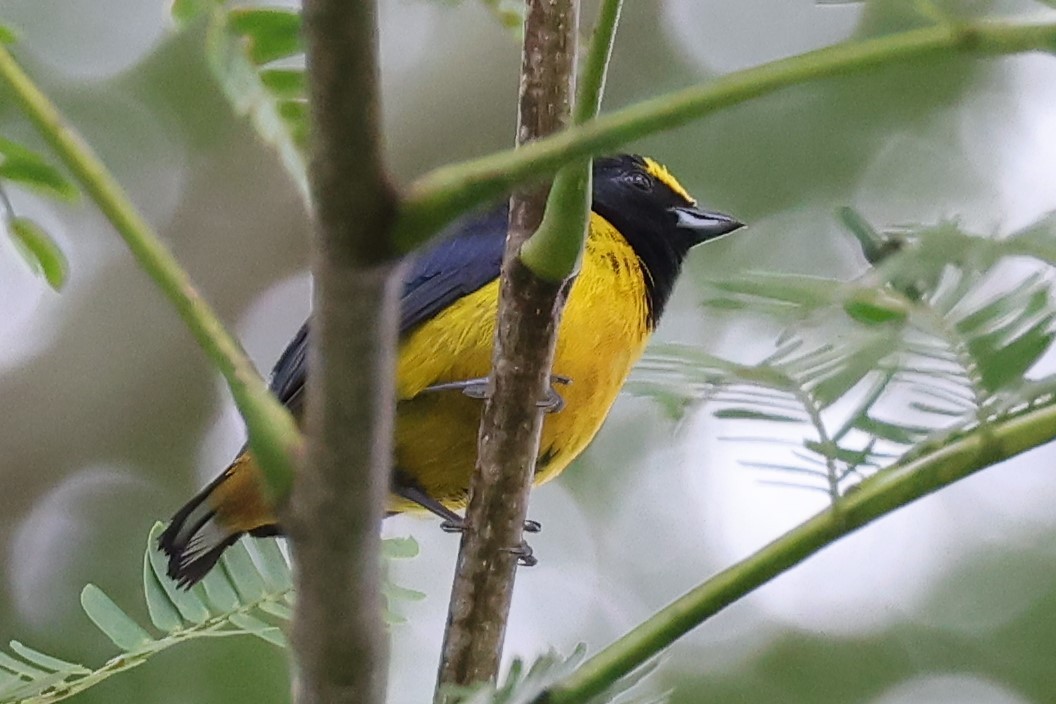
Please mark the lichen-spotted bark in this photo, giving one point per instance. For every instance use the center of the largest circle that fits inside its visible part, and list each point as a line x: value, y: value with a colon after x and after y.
x: 529, y: 310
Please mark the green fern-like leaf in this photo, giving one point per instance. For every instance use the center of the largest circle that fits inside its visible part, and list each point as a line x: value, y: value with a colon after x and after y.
x: 39, y: 251
x: 268, y: 33
x: 250, y: 592
x: 255, y: 55
x: 525, y: 684
x: 940, y: 334
x: 21, y: 167
x: 26, y: 169
x: 794, y: 386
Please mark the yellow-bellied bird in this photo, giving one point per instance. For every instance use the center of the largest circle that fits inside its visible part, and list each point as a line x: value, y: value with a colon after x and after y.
x: 642, y: 225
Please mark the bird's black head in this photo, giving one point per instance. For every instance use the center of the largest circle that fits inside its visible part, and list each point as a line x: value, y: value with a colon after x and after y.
x: 660, y: 221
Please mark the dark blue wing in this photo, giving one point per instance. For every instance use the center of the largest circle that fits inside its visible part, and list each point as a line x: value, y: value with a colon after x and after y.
x: 287, y: 376
x: 453, y: 268
x: 441, y: 274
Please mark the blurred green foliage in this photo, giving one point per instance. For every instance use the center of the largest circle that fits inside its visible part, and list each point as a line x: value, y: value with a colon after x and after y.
x: 250, y: 593
x: 113, y: 408
x: 937, y: 339
x: 26, y: 168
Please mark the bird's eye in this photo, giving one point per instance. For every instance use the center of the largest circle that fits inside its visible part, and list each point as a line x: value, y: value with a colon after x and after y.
x: 640, y: 181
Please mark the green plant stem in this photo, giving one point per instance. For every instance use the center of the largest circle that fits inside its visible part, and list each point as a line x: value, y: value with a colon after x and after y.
x: 273, y: 435
x: 596, y: 65
x: 442, y: 195
x: 554, y: 250
x: 902, y: 483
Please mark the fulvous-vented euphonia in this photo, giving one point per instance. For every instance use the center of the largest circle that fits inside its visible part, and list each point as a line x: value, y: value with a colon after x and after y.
x: 642, y: 225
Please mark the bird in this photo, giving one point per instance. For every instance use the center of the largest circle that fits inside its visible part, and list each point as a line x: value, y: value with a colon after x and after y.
x: 642, y: 225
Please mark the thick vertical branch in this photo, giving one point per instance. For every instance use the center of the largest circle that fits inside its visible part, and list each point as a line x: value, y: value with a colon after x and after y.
x: 529, y: 309
x: 335, y: 512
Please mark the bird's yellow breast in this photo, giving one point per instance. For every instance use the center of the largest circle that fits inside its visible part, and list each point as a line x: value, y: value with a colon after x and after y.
x: 602, y: 334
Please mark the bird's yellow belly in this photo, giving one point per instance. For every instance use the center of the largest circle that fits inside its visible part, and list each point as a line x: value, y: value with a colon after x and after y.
x: 602, y: 334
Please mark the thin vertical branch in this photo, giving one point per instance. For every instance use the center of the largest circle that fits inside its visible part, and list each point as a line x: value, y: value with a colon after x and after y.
x: 529, y: 309
x: 334, y: 515
x: 553, y: 251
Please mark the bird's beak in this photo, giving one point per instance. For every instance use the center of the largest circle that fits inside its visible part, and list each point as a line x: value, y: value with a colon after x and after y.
x: 704, y: 225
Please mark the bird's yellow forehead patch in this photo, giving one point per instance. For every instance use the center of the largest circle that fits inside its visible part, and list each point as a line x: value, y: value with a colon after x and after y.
x: 661, y: 174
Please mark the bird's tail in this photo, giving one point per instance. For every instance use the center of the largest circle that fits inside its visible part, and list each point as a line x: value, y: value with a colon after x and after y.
x: 213, y: 520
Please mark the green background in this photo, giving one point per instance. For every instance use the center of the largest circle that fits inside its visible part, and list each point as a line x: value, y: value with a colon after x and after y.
x: 110, y: 417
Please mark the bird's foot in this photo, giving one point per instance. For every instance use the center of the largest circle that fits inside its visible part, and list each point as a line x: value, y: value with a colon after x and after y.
x: 553, y: 402
x: 480, y: 388
x: 453, y: 526
x: 457, y: 526
x: 525, y: 554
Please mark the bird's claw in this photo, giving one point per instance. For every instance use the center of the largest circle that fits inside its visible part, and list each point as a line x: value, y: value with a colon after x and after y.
x: 523, y: 552
x: 480, y: 389
x: 525, y: 555
x: 553, y: 402
x: 474, y: 388
x: 450, y: 526
x: 453, y: 526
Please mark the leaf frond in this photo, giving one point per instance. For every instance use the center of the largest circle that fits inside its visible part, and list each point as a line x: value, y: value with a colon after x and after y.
x: 24, y: 168
x: 526, y: 684
x: 256, y: 56
x: 944, y: 331
x: 249, y: 593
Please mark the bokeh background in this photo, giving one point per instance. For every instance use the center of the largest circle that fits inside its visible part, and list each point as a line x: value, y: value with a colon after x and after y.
x: 110, y: 417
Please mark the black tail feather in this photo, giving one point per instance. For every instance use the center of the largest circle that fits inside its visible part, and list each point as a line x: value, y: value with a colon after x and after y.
x: 188, y: 570
x: 187, y: 542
